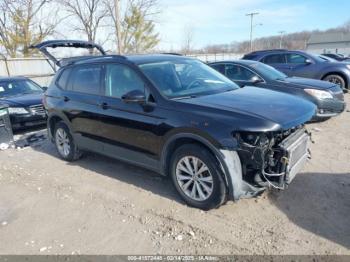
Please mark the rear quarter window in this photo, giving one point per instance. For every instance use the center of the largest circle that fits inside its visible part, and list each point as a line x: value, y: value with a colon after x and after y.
x: 62, y: 80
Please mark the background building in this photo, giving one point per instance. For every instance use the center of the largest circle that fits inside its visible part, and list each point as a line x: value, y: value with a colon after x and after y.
x: 329, y: 43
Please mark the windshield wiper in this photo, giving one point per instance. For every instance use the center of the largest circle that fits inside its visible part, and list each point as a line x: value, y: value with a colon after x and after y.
x: 229, y: 90
x: 183, y: 97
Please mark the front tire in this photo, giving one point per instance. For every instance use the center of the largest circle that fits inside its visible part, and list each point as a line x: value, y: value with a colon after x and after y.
x: 197, y: 177
x: 64, y: 142
x: 336, y: 79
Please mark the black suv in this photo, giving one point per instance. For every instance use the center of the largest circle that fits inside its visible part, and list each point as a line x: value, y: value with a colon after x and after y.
x: 303, y: 64
x: 179, y: 117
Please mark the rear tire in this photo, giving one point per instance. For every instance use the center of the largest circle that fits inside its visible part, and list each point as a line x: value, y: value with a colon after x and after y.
x: 64, y: 142
x: 336, y: 79
x: 197, y: 177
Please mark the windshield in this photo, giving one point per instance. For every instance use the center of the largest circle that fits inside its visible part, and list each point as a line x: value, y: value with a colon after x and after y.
x: 186, y: 78
x: 18, y: 87
x: 268, y: 71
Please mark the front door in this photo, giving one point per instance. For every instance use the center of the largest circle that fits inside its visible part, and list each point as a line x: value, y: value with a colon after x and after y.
x: 129, y: 129
x: 301, y: 66
x: 239, y: 74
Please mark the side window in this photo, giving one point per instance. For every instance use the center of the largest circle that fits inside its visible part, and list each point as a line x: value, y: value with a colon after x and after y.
x: 86, y: 79
x: 219, y: 67
x: 274, y: 59
x: 63, y: 79
x: 296, y: 59
x: 121, y: 79
x: 236, y: 72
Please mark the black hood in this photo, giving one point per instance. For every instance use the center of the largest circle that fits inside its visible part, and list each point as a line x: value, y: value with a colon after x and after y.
x: 299, y: 82
x: 24, y: 100
x: 280, y: 110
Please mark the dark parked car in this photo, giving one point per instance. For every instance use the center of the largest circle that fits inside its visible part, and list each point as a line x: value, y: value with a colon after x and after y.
x: 303, y: 64
x: 24, y: 98
x: 328, y: 97
x: 179, y: 117
x: 337, y: 57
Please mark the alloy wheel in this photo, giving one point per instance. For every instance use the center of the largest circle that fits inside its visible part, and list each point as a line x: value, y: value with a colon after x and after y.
x: 194, y: 178
x: 335, y: 80
x: 62, y: 142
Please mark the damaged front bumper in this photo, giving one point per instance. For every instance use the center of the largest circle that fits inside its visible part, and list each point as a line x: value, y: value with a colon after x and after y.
x: 266, y: 160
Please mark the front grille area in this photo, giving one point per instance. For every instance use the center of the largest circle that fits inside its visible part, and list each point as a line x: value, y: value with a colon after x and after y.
x: 338, y: 94
x: 37, y: 110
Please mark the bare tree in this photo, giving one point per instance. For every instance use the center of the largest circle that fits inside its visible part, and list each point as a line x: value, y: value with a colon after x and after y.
x: 23, y: 23
x: 346, y: 27
x: 88, y: 15
x: 188, y: 39
x: 134, y: 26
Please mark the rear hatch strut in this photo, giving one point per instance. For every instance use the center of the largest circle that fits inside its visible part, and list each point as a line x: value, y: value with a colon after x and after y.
x: 42, y: 47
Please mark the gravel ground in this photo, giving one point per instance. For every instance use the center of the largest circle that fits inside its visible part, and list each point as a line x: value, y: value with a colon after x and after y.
x: 101, y: 206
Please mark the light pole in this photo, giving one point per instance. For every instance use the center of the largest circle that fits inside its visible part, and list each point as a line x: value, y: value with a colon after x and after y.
x: 251, y: 29
x: 252, y: 44
x: 118, y: 26
x: 281, y: 38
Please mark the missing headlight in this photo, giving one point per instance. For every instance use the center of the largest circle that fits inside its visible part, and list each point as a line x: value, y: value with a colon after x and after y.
x: 254, y: 139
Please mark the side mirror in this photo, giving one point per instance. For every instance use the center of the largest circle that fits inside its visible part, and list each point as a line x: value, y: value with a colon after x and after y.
x: 308, y: 62
x: 44, y: 88
x: 134, y: 96
x: 255, y: 80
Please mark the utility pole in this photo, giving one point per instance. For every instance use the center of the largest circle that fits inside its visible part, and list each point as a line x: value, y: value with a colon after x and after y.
x: 281, y: 37
x: 118, y: 26
x: 251, y: 29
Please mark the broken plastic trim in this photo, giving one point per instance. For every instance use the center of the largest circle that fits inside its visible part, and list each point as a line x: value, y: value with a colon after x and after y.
x: 241, y: 189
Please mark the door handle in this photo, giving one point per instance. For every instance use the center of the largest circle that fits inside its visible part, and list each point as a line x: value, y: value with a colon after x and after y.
x: 104, y: 106
x: 66, y: 98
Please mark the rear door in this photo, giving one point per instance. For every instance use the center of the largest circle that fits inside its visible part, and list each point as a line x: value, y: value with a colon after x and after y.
x: 219, y: 67
x: 82, y: 104
x: 277, y: 61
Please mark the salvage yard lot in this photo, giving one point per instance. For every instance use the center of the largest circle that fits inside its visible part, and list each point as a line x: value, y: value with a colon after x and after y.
x: 102, y: 206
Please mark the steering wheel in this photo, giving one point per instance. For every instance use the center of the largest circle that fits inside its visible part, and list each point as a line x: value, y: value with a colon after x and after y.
x: 194, y: 82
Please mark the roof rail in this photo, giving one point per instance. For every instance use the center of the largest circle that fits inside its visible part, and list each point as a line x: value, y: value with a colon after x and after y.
x: 171, y: 53
x: 268, y: 50
x: 73, y: 60
x: 115, y: 56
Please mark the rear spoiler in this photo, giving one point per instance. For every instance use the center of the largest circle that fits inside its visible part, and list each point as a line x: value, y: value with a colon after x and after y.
x: 42, y: 47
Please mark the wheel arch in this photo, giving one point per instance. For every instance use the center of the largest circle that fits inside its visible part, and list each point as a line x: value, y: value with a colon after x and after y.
x: 52, y: 120
x: 341, y: 74
x: 187, y: 138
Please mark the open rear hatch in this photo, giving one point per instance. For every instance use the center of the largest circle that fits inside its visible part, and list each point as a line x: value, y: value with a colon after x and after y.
x: 47, y: 47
